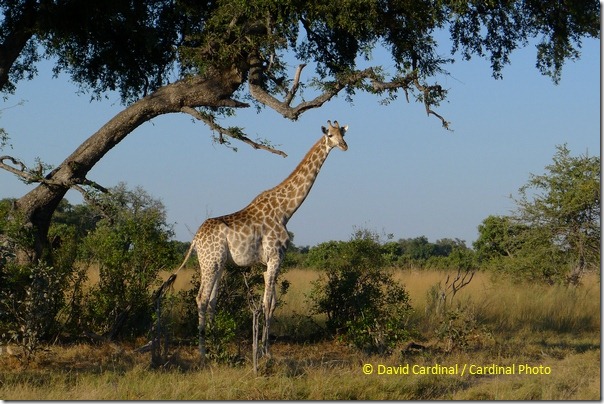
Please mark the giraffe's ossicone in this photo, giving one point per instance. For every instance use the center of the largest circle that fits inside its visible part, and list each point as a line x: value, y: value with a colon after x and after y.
x: 257, y: 233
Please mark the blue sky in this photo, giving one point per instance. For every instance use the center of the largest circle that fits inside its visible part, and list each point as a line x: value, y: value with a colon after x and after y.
x: 402, y: 174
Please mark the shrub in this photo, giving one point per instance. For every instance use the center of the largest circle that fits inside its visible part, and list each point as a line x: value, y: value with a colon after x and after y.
x: 362, y: 302
x: 30, y: 298
x: 130, y: 245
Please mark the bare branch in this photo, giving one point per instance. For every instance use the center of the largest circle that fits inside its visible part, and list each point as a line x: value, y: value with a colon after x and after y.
x: 426, y: 92
x: 37, y: 176
x: 88, y: 183
x: 460, y: 281
x: 28, y: 175
x: 292, y: 92
x: 21, y: 171
x: 87, y: 195
x: 209, y: 120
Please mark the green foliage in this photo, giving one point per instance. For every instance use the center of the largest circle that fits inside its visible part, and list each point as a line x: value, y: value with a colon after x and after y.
x: 165, y: 37
x: 4, y: 138
x: 114, y: 45
x: 129, y: 246
x: 415, y: 252
x: 418, y: 252
x: 554, y: 234
x: 81, y: 219
x: 564, y: 204
x: 14, y: 234
x: 30, y: 300
x: 35, y: 300
x: 294, y: 256
x: 498, y: 236
x: 233, y: 318
x: 460, y: 257
x: 419, y: 248
x: 362, y: 302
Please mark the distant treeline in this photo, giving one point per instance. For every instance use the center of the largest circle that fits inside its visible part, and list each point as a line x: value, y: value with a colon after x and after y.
x: 416, y: 252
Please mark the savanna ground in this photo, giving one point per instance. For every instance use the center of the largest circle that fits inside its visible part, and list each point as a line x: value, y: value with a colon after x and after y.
x: 496, y: 322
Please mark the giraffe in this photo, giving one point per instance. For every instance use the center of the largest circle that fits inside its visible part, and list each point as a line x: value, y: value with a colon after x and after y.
x: 257, y: 233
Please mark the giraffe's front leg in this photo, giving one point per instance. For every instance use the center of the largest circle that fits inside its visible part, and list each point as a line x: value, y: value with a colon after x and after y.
x: 269, y: 302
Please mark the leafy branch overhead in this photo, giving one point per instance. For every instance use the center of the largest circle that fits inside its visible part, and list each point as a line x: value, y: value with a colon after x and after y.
x: 136, y: 48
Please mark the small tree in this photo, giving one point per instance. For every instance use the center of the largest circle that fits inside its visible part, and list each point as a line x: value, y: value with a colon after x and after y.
x: 362, y: 302
x: 562, y: 208
x: 554, y: 234
x: 129, y: 245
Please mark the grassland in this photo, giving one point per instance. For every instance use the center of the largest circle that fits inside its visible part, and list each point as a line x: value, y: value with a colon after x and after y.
x: 500, y: 323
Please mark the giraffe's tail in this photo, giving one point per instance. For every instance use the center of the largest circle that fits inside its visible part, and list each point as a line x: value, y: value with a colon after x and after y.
x: 184, y: 262
x: 168, y: 282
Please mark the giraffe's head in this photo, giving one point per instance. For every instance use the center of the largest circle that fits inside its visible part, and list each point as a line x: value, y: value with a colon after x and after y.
x: 335, y: 135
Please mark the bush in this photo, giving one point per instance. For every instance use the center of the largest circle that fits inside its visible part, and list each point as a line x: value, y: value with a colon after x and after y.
x: 33, y: 297
x: 362, y: 302
x: 30, y: 299
x: 129, y: 246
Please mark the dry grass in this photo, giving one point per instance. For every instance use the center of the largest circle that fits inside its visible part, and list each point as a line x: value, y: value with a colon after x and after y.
x: 555, y: 327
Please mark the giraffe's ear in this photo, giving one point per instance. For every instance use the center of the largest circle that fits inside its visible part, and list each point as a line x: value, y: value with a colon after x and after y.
x: 324, y: 130
x: 344, y: 129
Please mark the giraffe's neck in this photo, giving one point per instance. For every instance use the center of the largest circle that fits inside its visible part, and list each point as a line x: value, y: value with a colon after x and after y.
x: 284, y: 199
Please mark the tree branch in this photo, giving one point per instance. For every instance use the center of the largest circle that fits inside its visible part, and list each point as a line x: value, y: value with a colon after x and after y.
x: 26, y: 174
x: 294, y: 89
x: 20, y: 172
x: 406, y: 82
x: 426, y: 91
x: 86, y: 195
x: 16, y: 38
x: 31, y: 176
x: 77, y: 182
x: 284, y: 107
x: 234, y: 133
x: 354, y: 79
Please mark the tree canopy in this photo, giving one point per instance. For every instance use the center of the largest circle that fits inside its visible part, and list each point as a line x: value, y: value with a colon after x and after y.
x: 135, y: 47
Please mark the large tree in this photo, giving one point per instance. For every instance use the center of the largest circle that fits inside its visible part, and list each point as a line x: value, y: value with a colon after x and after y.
x: 206, y: 58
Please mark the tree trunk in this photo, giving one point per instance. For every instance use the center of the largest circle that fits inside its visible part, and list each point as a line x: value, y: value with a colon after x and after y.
x: 38, y: 206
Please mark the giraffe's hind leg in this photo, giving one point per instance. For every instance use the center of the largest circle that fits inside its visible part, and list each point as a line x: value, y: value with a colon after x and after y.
x: 206, y: 300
